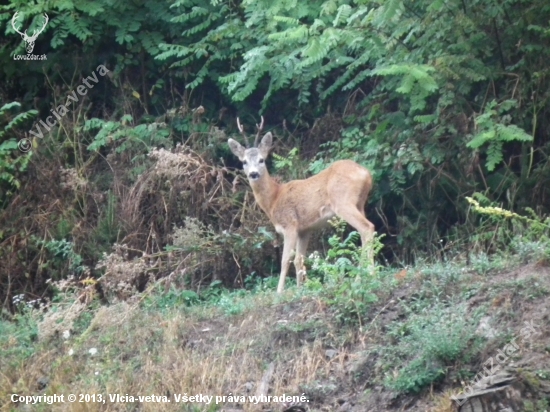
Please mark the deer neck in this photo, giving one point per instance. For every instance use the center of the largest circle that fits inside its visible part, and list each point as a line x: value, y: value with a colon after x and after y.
x: 266, y: 191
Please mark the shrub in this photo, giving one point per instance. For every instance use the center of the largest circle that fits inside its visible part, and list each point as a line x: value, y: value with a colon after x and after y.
x: 427, y: 343
x: 348, y: 280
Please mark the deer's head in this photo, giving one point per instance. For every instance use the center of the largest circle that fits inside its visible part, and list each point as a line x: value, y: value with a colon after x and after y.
x: 254, y: 157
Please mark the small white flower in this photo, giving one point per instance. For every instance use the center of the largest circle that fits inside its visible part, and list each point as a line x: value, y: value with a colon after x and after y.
x: 93, y: 351
x: 66, y: 334
x: 71, y: 352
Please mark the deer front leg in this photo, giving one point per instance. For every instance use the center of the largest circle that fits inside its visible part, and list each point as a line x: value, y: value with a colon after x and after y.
x: 301, y: 248
x: 288, y: 247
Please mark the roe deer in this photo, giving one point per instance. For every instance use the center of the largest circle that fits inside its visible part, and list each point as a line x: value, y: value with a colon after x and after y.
x: 298, y: 207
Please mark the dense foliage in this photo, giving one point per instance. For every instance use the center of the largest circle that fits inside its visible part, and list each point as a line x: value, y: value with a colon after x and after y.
x: 441, y: 99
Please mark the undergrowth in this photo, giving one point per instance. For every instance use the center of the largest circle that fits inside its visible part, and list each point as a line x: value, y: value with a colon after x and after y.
x: 434, y: 336
x: 216, y: 336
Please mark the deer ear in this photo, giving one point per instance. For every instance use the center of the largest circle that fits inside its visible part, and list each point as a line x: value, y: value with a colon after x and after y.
x: 266, y: 144
x: 236, y: 148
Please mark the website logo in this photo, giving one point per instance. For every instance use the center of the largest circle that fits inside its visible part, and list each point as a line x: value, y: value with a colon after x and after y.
x: 29, y: 40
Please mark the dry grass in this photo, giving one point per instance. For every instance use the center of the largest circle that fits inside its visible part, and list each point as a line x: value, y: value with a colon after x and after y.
x: 147, y: 345
x: 444, y: 403
x: 140, y: 352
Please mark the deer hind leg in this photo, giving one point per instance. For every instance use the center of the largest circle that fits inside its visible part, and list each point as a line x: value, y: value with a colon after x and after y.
x: 356, y: 218
x: 290, y: 239
x: 301, y: 248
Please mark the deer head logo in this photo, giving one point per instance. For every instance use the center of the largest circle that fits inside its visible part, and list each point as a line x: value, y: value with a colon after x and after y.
x: 29, y: 40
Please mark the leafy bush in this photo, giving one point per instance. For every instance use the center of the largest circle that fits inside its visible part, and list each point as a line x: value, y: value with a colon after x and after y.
x: 347, y: 280
x: 64, y: 261
x: 162, y: 300
x: 428, y: 342
x: 494, y: 132
x: 231, y: 306
x: 528, y: 235
x: 17, y: 339
x: 12, y: 161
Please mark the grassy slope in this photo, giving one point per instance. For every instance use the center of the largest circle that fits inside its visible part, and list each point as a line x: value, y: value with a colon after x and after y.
x: 429, y: 332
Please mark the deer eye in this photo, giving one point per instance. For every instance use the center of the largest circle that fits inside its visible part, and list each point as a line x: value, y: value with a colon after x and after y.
x: 261, y: 160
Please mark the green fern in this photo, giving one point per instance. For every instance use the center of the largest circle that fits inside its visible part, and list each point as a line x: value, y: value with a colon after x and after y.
x: 12, y: 162
x: 493, y: 134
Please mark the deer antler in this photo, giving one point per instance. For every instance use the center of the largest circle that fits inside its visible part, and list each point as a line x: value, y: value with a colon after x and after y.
x: 259, y: 127
x: 36, y: 33
x: 241, y: 129
x: 13, y: 20
x: 24, y: 34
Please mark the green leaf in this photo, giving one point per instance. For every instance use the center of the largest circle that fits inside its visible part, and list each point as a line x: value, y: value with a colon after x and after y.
x: 481, y: 138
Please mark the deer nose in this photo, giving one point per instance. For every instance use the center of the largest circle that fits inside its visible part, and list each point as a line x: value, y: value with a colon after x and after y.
x: 254, y: 175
